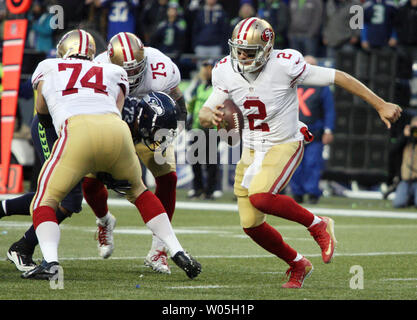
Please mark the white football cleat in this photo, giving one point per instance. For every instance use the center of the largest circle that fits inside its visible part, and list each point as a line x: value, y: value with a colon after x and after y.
x: 104, y: 236
x: 157, y: 261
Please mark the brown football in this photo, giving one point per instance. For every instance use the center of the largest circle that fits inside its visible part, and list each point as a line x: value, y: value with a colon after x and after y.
x: 232, y: 122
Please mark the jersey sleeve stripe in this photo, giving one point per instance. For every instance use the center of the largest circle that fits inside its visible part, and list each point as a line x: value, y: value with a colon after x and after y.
x: 37, y: 78
x: 299, y: 75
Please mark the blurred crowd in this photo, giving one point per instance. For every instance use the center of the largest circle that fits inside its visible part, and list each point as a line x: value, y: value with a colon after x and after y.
x: 201, y: 27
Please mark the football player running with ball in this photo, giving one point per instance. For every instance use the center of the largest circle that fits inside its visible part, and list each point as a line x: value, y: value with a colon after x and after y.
x: 262, y: 82
x: 148, y: 70
x: 85, y: 99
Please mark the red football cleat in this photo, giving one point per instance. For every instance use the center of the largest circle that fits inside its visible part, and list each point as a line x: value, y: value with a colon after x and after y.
x: 298, y: 271
x: 323, y: 233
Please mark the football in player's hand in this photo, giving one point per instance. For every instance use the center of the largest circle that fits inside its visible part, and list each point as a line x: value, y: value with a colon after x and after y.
x: 232, y: 122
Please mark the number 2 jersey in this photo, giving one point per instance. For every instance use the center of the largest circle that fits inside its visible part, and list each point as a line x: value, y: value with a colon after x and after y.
x: 269, y: 103
x: 76, y: 86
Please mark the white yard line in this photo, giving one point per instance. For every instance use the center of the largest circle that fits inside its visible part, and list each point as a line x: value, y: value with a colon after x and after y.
x: 253, y: 256
x: 232, y: 207
x: 400, y: 279
x: 191, y: 205
x: 200, y: 287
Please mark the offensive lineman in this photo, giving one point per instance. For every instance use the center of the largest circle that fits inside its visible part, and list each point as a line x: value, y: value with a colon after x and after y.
x: 148, y: 70
x: 85, y: 99
x: 262, y: 82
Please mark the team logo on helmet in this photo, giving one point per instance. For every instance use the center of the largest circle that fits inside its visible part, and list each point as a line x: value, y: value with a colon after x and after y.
x: 155, y: 104
x: 267, y: 34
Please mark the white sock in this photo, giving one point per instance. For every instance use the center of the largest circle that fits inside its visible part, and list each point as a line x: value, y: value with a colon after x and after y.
x: 161, y: 227
x: 298, y: 257
x: 103, y: 220
x: 315, y: 221
x: 48, y: 234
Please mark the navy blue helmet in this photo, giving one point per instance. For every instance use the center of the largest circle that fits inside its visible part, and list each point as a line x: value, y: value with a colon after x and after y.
x: 152, y: 119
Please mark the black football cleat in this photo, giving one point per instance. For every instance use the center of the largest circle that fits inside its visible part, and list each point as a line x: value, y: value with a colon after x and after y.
x: 44, y: 271
x: 187, y: 263
x: 20, y: 253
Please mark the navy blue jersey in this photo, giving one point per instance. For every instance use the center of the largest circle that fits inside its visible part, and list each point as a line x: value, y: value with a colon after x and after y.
x: 43, y: 142
x: 130, y: 111
x: 378, y: 22
x: 121, y: 16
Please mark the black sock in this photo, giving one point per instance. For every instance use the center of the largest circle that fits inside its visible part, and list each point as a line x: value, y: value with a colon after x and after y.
x: 30, y: 234
x: 19, y: 205
x: 2, y: 213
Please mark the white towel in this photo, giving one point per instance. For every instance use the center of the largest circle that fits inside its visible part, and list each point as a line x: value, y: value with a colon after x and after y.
x: 253, y: 168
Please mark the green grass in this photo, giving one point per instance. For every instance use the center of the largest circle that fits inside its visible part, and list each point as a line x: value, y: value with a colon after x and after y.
x: 234, y: 267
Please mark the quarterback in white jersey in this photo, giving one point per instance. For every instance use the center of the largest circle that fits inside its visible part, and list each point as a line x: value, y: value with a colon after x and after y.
x: 262, y: 82
x: 149, y: 70
x: 270, y: 111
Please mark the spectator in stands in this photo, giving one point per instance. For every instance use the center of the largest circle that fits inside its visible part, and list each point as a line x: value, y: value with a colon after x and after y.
x: 74, y: 11
x: 276, y: 12
x: 246, y: 10
x: 97, y: 17
x: 337, y: 32
x: 41, y: 35
x: 318, y: 113
x: 405, y: 24
x: 378, y: 31
x: 210, y: 31
x: 406, y: 193
x: 153, y: 13
x: 121, y: 16
x: 199, y: 97
x: 170, y: 34
x: 306, y: 17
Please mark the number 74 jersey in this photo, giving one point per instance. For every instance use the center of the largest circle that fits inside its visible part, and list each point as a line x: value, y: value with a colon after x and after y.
x: 76, y: 86
x: 269, y: 104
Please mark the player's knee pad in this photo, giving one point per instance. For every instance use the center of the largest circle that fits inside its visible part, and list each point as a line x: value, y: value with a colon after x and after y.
x: 250, y: 217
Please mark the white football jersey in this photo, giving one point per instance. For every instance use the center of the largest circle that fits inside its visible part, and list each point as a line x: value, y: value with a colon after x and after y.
x: 270, y: 103
x: 76, y: 86
x: 162, y: 74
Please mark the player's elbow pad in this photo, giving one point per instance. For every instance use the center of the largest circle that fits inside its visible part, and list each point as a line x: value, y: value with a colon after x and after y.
x: 45, y: 120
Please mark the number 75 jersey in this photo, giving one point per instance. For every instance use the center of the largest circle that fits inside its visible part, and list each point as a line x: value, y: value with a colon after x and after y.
x: 269, y: 103
x: 162, y: 74
x: 76, y: 86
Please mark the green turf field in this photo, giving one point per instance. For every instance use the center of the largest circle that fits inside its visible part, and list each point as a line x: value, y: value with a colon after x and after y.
x: 233, y: 266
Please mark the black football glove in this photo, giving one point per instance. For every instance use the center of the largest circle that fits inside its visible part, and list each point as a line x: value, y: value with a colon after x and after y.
x: 120, y: 186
